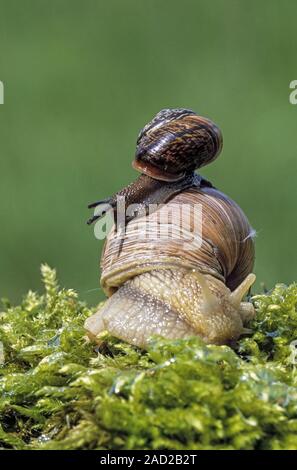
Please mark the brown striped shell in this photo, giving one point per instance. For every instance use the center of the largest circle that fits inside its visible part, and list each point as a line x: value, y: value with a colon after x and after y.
x: 176, y: 142
x: 224, y: 248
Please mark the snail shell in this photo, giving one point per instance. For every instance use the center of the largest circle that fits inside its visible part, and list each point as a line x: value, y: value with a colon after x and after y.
x: 176, y: 142
x: 191, y: 283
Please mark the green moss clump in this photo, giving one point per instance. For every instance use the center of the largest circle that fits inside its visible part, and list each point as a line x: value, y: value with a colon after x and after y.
x: 60, y: 392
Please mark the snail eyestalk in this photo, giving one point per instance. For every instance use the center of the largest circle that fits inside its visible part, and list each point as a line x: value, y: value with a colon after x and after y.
x: 242, y: 289
x: 98, y: 203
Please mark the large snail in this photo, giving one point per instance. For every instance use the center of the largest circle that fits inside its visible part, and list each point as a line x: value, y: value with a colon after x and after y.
x: 192, y: 280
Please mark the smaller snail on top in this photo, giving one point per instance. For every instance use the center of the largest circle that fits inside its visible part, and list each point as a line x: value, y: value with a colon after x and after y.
x: 175, y: 143
x: 169, y: 148
x: 164, y: 285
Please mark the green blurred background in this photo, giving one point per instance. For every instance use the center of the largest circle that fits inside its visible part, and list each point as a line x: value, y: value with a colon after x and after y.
x: 82, y: 77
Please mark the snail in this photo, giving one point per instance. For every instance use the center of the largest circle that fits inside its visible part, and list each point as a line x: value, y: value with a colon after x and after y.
x: 164, y: 276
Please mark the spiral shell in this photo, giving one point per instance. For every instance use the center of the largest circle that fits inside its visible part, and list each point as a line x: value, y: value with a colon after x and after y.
x: 176, y: 142
x: 224, y: 249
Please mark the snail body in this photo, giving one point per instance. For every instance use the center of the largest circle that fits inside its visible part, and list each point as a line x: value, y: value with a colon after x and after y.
x: 167, y: 274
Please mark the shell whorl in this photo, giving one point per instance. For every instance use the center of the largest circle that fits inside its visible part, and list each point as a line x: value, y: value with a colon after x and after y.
x: 176, y: 142
x: 224, y: 248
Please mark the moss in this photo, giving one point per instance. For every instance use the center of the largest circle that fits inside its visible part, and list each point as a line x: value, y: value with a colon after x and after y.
x: 59, y: 392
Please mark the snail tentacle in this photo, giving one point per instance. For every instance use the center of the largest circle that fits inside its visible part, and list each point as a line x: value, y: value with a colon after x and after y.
x: 99, y: 203
x: 242, y: 289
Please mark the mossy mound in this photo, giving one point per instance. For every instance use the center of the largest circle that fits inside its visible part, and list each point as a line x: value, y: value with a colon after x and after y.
x: 59, y: 392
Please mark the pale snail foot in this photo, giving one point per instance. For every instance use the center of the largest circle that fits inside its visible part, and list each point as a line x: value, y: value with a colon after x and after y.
x: 134, y: 316
x: 174, y: 304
